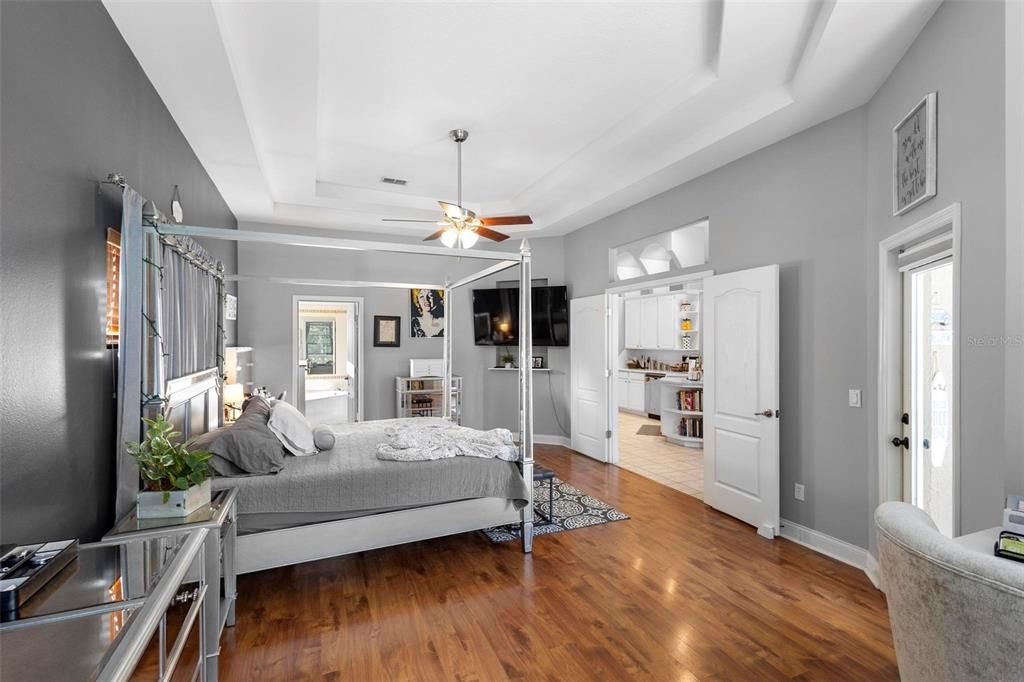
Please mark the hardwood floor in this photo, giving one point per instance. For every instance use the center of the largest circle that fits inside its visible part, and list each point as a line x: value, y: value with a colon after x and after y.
x: 679, y: 592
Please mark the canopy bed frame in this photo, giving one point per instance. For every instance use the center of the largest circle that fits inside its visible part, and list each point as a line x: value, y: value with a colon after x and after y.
x: 194, y: 400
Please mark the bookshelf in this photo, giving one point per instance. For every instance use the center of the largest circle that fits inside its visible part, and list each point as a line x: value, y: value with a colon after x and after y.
x: 682, y: 412
x: 421, y: 397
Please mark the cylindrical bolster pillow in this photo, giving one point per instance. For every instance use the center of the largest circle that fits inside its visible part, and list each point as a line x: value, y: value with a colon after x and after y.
x: 323, y: 437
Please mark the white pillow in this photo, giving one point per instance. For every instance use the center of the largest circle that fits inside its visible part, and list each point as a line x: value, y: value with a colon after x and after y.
x: 292, y: 429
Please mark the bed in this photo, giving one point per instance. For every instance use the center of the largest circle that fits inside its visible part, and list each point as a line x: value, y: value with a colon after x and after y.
x: 170, y: 360
x: 349, y: 481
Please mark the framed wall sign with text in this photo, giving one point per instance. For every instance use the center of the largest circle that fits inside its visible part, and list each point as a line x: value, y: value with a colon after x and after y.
x: 913, y: 157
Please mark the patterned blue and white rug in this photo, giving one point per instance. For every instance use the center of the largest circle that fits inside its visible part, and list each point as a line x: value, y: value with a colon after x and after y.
x: 573, y: 509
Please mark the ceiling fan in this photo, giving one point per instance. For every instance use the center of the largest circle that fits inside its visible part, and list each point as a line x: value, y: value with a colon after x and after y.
x: 461, y: 226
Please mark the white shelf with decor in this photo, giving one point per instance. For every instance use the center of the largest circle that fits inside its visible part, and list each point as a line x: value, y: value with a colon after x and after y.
x: 422, y: 397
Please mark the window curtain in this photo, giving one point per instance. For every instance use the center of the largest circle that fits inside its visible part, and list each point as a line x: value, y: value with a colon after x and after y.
x: 191, y: 306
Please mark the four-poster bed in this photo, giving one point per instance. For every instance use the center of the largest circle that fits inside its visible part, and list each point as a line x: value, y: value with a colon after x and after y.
x: 195, y: 403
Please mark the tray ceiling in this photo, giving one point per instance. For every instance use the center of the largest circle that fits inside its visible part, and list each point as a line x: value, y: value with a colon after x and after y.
x: 575, y: 110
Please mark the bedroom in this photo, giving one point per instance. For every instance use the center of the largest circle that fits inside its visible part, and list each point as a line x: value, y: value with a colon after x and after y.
x: 251, y: 131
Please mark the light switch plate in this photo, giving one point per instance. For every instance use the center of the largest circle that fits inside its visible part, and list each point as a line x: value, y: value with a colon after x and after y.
x: 854, y: 397
x: 798, y: 491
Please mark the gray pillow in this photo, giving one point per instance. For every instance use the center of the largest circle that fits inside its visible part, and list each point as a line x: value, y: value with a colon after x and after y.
x: 247, y: 447
x: 323, y: 438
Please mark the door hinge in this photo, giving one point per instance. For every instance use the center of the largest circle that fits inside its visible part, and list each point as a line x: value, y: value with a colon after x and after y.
x: 607, y: 434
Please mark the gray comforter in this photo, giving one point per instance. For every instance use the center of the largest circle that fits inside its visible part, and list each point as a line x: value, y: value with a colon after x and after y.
x: 351, y: 478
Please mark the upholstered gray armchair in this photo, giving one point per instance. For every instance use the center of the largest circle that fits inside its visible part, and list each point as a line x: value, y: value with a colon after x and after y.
x: 956, y: 614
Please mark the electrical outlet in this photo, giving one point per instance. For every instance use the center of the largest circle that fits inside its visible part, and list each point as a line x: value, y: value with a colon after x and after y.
x: 854, y: 397
x: 798, y: 491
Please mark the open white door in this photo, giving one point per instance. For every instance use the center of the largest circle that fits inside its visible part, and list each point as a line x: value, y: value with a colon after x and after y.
x: 588, y: 378
x: 741, y: 396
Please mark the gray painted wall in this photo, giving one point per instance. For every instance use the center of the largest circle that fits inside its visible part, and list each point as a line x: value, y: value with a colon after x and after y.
x: 959, y: 54
x: 490, y: 398
x: 795, y: 205
x: 75, y: 106
x: 818, y: 203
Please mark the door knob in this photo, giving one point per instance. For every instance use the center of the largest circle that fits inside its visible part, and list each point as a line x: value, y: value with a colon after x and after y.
x: 901, y: 442
x: 764, y: 413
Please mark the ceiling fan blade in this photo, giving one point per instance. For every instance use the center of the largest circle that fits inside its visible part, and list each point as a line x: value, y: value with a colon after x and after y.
x: 436, y: 235
x: 491, y: 234
x: 405, y: 220
x: 507, y: 220
x: 451, y: 210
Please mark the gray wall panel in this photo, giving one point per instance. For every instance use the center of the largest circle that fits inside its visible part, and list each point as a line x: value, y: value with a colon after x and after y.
x: 75, y: 106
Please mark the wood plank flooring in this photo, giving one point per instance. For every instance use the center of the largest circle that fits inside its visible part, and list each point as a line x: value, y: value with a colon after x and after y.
x: 678, y: 592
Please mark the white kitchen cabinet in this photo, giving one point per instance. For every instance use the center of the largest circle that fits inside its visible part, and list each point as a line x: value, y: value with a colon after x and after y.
x: 636, y: 394
x: 649, y: 322
x: 622, y: 392
x: 632, y: 322
x: 667, y: 322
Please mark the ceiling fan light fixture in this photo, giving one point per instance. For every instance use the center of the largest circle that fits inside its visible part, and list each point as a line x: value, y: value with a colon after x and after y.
x: 468, y: 238
x: 449, y: 237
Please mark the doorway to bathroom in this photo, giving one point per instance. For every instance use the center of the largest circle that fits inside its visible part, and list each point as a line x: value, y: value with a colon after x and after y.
x: 327, y: 357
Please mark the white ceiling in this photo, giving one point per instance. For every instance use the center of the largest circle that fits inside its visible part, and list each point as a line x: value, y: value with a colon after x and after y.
x: 575, y: 110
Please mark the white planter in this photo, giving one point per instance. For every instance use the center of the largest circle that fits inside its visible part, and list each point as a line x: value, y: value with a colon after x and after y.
x: 179, y: 502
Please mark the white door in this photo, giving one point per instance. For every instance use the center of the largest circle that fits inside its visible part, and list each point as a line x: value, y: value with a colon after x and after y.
x: 649, y: 322
x: 631, y: 322
x: 622, y: 393
x: 667, y: 322
x: 587, y: 319
x: 741, y: 396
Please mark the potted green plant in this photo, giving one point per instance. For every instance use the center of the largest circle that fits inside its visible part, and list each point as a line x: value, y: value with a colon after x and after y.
x: 176, y: 482
x: 508, y: 360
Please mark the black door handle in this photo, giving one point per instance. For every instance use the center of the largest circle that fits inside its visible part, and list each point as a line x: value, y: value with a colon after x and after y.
x: 901, y: 442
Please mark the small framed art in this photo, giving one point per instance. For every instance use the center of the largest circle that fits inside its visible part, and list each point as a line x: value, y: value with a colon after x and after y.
x: 914, y: 157
x: 538, y: 362
x: 387, y: 331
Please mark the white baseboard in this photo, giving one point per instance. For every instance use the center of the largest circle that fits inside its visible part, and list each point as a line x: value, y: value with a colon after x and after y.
x: 872, y: 570
x: 547, y: 439
x: 840, y: 550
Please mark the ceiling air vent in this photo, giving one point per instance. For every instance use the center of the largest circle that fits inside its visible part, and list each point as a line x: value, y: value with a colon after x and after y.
x: 394, y: 181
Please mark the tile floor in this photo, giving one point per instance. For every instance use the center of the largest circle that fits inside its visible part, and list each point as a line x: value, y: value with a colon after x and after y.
x: 657, y: 459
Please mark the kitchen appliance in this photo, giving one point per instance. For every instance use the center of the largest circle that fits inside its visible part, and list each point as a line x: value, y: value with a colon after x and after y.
x: 652, y: 394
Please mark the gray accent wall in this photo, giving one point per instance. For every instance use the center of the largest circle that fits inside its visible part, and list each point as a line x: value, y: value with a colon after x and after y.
x: 798, y: 203
x: 75, y: 106
x: 818, y: 203
x: 490, y: 398
x: 959, y: 54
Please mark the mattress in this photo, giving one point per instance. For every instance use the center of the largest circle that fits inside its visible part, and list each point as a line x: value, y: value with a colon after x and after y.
x: 349, y: 481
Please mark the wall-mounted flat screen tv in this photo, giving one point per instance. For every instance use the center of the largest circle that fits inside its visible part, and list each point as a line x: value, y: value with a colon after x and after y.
x: 496, y: 316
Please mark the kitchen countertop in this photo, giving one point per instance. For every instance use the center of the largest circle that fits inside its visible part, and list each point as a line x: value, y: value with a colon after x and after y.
x: 671, y: 378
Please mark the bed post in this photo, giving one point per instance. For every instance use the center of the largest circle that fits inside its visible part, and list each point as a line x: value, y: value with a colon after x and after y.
x: 526, y: 390
x: 446, y: 354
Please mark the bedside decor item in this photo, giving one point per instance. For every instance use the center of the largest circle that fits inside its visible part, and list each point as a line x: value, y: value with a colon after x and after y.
x: 538, y: 361
x: 177, y: 212
x: 913, y: 157
x: 234, y: 396
x: 387, y: 331
x: 687, y: 324
x: 230, y: 307
x: 427, y: 313
x: 175, y: 479
x: 508, y: 360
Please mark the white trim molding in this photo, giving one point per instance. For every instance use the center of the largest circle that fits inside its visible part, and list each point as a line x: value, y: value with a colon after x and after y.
x: 890, y: 351
x: 872, y: 570
x: 840, y: 550
x: 548, y: 439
